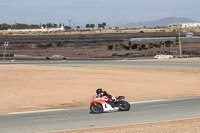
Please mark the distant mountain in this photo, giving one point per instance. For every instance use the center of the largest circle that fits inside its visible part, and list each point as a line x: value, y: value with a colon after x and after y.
x: 161, y: 22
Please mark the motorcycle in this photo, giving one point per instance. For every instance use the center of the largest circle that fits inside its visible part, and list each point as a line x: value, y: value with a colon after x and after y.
x: 104, y: 104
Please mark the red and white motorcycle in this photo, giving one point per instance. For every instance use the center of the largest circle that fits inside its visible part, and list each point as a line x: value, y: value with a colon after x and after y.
x: 104, y: 104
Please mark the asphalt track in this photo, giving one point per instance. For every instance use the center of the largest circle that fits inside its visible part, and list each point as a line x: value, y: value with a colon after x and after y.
x: 140, y: 63
x: 76, y: 119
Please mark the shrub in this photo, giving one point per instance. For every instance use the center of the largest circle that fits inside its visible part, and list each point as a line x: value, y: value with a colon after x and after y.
x: 49, y: 45
x: 110, y: 47
x: 127, y: 54
x: 143, y: 46
x: 168, y: 43
x: 134, y: 46
x: 150, y: 45
x: 126, y: 47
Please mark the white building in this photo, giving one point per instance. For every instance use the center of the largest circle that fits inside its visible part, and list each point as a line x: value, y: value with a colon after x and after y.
x: 36, y: 30
x: 191, y: 25
x: 185, y: 25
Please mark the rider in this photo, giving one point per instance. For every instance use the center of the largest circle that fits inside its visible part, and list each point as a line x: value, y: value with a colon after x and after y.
x: 101, y: 93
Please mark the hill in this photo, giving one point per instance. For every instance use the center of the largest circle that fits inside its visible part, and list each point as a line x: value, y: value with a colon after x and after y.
x: 161, y: 22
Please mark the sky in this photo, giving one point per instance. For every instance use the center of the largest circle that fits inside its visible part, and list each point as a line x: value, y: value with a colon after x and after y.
x: 82, y: 12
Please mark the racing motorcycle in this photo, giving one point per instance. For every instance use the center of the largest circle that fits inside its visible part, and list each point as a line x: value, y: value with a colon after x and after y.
x: 104, y: 104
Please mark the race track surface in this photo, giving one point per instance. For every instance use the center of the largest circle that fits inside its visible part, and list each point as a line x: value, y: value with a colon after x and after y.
x: 170, y: 64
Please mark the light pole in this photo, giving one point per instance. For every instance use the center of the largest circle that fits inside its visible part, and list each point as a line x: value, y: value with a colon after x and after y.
x: 6, y: 45
x: 180, y: 49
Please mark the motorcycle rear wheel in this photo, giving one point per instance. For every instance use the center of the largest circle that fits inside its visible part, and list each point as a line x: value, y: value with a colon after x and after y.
x: 124, y: 106
x: 96, y: 108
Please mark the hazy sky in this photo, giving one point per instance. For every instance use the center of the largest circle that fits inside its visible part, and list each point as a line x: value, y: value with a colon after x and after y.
x: 81, y: 12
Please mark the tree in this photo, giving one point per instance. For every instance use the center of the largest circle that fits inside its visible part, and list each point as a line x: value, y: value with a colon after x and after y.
x: 78, y: 27
x: 49, y: 25
x: 92, y: 25
x: 55, y: 25
x: 4, y: 26
x: 67, y: 27
x: 99, y: 26
x: 44, y: 25
x: 34, y: 26
x: 103, y: 25
x: 87, y: 25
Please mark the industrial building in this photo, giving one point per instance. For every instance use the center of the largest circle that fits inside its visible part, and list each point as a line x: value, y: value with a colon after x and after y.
x: 184, y: 25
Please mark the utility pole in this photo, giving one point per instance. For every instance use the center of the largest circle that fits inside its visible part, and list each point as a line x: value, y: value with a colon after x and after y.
x: 180, y: 48
x: 69, y: 30
x: 74, y: 26
x: 6, y: 45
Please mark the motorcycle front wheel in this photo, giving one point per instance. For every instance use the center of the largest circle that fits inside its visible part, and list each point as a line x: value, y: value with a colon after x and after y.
x: 124, y: 106
x: 96, y: 108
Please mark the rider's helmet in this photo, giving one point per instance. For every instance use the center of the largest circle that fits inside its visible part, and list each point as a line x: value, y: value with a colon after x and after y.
x: 99, y: 91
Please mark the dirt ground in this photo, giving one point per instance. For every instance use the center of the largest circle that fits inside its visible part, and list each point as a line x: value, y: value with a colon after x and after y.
x: 36, y: 87
x: 185, y: 126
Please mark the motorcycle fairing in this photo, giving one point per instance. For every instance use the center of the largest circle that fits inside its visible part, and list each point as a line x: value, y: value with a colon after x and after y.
x: 108, y: 107
x: 120, y: 97
x: 101, y: 100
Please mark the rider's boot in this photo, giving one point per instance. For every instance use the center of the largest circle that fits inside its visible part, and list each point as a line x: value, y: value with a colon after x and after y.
x: 111, y: 103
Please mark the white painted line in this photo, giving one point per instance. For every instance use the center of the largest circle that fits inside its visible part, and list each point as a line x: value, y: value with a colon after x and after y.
x: 151, y: 101
x: 163, y: 100
x: 37, y: 111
